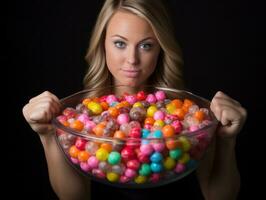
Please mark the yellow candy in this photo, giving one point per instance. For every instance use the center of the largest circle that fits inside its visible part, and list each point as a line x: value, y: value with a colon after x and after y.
x: 112, y: 177
x: 151, y: 110
x: 140, y: 179
x: 159, y: 122
x: 96, y: 108
x: 186, y: 145
x: 170, y: 108
x: 102, y: 154
x: 138, y: 104
x: 184, y: 158
x: 169, y: 163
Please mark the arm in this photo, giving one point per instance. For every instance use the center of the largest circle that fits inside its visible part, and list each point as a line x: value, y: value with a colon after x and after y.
x: 218, y: 174
x: 66, y: 182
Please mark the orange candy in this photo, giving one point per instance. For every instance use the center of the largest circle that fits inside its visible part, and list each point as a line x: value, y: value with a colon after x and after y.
x: 173, y: 144
x: 96, y: 99
x: 107, y: 146
x: 149, y: 120
x: 65, y: 123
x: 73, y: 151
x: 119, y: 105
x: 104, y: 105
x: 86, y: 101
x: 199, y: 115
x: 83, y: 156
x: 77, y: 125
x: 114, y: 112
x: 177, y: 102
x: 125, y: 103
x: 168, y: 131
x: 188, y: 103
x: 98, y: 129
x: 119, y: 134
x: 180, y: 113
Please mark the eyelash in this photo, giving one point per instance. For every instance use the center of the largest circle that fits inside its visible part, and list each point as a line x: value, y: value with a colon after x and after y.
x: 118, y: 43
x: 146, y: 48
x: 122, y: 45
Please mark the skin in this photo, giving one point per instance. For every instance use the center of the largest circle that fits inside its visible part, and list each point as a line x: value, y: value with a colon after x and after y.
x: 131, y: 58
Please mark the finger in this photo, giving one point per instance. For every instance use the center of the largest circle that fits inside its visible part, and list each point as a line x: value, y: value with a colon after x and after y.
x: 41, y: 111
x: 229, y: 117
x: 217, y: 105
x: 47, y: 102
x: 222, y: 96
x: 42, y: 115
x: 217, y: 108
x: 44, y: 94
x: 232, y: 123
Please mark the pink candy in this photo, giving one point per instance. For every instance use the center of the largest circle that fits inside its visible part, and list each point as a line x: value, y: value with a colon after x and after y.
x: 93, y: 162
x: 89, y: 125
x: 193, y: 128
x: 159, y: 147
x: 111, y: 98
x: 159, y: 115
x: 160, y: 95
x: 151, y: 98
x: 123, y: 118
x: 85, y: 166
x: 83, y: 118
x: 177, y: 126
x: 146, y: 149
x: 130, y: 173
x: 131, y: 99
x: 180, y: 168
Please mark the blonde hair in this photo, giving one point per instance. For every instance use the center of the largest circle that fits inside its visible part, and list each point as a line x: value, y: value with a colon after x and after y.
x: 168, y: 72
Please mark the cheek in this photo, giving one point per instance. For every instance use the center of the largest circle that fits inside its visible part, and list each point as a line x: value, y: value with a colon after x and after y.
x: 151, y: 61
x: 113, y: 58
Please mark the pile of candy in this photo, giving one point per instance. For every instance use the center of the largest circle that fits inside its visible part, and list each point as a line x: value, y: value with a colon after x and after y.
x: 140, y: 138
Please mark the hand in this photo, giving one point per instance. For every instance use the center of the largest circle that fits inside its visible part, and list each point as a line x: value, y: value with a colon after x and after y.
x: 230, y: 113
x: 40, y: 110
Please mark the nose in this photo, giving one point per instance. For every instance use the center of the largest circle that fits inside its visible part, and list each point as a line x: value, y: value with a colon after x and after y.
x: 132, y: 56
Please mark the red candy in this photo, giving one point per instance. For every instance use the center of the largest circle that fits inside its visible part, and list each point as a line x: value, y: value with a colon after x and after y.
x: 141, y: 96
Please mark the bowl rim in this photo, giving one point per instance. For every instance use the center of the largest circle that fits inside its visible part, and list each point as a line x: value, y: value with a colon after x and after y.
x: 88, y: 136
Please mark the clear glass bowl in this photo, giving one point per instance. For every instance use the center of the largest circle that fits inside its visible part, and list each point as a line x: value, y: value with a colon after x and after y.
x: 150, y: 155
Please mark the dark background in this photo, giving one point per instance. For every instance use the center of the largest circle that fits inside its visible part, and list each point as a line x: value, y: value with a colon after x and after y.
x: 44, y: 47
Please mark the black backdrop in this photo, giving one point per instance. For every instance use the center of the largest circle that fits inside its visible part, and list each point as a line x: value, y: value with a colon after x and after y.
x: 44, y: 47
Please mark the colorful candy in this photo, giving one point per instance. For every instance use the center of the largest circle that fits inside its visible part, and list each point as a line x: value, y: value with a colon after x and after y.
x: 142, y: 137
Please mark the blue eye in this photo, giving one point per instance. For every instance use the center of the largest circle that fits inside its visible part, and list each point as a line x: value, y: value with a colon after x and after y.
x: 146, y: 46
x: 120, y: 44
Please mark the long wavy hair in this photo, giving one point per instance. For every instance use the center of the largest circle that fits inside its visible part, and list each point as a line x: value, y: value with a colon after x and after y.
x: 168, y: 72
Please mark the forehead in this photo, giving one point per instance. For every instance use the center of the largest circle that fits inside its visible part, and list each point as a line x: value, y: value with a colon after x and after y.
x: 128, y: 24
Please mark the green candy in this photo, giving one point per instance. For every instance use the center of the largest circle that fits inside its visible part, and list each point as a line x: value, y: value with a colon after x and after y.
x: 145, y: 170
x: 175, y: 154
x: 114, y: 158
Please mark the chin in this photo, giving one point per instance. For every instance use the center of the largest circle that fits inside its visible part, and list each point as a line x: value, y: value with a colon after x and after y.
x: 131, y: 83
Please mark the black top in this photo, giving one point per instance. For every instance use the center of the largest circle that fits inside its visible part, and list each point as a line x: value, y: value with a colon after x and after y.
x: 187, y: 187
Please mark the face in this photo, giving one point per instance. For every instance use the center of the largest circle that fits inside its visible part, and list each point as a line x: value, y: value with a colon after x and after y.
x: 131, y: 49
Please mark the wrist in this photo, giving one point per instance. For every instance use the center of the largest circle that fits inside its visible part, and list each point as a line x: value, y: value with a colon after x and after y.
x: 229, y: 142
x: 46, y: 139
x: 225, y: 146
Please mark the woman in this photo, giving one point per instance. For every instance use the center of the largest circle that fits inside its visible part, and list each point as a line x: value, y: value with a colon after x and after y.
x: 133, y: 44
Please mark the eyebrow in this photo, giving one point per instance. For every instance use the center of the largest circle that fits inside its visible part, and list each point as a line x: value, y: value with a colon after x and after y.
x: 116, y: 35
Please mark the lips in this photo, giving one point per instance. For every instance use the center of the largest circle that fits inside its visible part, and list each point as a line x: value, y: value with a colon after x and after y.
x: 131, y: 73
